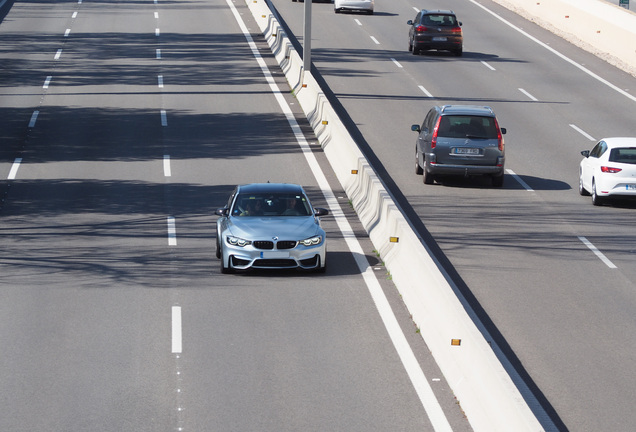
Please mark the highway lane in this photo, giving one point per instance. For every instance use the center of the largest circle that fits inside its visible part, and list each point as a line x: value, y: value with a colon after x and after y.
x: 148, y: 114
x: 566, y: 314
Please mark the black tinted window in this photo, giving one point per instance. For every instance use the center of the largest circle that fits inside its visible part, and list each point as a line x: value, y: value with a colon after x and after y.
x: 623, y: 155
x: 271, y: 205
x: 457, y: 126
x: 440, y: 20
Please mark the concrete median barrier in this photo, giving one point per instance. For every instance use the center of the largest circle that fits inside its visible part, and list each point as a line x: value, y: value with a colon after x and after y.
x: 487, y: 394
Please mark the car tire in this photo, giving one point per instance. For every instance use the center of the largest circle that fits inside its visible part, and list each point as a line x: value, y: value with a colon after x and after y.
x: 596, y: 200
x: 321, y: 268
x: 418, y: 167
x: 228, y: 269
x: 416, y: 50
x: 410, y: 45
x: 427, y: 177
x: 582, y: 189
x: 336, y: 10
x: 498, y: 180
x: 458, y: 52
x: 218, y: 249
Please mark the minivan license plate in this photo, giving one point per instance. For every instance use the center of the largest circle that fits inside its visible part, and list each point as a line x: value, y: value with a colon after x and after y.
x: 466, y: 151
x: 439, y: 39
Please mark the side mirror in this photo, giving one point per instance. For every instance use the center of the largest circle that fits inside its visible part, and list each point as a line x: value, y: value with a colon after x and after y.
x: 460, y: 23
x: 503, y: 131
x: 221, y: 212
x: 586, y: 153
x: 415, y: 128
x: 321, y: 211
x: 410, y: 22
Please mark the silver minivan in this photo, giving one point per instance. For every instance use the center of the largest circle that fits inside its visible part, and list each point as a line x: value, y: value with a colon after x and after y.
x: 461, y: 140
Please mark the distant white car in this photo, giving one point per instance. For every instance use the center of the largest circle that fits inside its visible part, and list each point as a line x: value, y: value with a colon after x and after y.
x: 609, y: 169
x: 353, y: 5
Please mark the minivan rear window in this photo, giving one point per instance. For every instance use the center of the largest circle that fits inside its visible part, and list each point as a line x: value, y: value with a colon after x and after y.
x: 458, y: 126
x: 440, y: 20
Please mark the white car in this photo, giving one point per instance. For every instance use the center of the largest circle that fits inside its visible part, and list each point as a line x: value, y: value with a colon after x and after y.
x: 609, y: 169
x: 353, y: 5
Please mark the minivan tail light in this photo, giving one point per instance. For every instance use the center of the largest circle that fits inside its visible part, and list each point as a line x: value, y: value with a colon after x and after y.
x: 435, y: 130
x: 420, y: 28
x: 500, y: 138
x: 610, y: 170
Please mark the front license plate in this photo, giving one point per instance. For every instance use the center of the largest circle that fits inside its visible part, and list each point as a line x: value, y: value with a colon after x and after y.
x: 274, y: 255
x: 439, y: 39
x: 466, y: 151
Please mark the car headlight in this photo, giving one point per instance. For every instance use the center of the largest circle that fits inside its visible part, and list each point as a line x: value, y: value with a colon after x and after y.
x: 312, y: 241
x: 237, y: 241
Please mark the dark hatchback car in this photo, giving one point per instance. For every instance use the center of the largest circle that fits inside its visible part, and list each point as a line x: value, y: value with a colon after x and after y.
x: 436, y: 30
x: 460, y: 140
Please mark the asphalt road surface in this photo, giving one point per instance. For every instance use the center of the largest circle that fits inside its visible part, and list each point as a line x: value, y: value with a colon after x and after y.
x: 551, y: 275
x: 123, y: 126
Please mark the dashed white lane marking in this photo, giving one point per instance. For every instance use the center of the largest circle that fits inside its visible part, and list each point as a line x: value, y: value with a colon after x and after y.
x: 58, y: 54
x: 414, y: 371
x: 582, y: 132
x: 528, y: 94
x: 160, y: 81
x: 47, y: 81
x: 157, y: 32
x: 34, y: 118
x: 357, y: 21
x: 597, y: 252
x: 396, y: 62
x: 375, y: 40
x: 167, y: 171
x: 164, y: 118
x: 158, y: 53
x: 426, y: 92
x: 521, y: 182
x: 488, y: 66
x: 557, y: 53
x: 14, y: 169
x: 74, y: 15
x: 156, y: 15
x: 172, y: 231
x: 67, y: 32
x: 177, y: 334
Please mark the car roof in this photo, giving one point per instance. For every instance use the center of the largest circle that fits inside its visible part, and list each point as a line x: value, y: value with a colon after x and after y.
x: 438, y: 11
x: 614, y: 142
x: 273, y: 188
x: 467, y: 110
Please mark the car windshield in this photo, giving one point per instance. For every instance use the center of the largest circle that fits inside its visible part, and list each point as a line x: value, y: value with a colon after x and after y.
x: 623, y: 155
x: 465, y: 126
x: 440, y: 20
x: 271, y: 205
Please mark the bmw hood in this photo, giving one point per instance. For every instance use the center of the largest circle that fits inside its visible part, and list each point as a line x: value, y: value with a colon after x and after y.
x: 285, y: 228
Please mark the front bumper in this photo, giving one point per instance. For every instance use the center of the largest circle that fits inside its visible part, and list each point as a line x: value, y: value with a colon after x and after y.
x: 303, y: 257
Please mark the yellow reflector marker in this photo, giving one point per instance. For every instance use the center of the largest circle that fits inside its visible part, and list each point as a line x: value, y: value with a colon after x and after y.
x: 354, y: 171
x: 456, y: 342
x: 325, y: 122
x: 394, y: 239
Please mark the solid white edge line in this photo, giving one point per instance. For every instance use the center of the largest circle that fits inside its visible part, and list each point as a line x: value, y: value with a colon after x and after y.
x: 420, y: 383
x: 597, y: 252
x: 521, y: 182
x: 172, y: 231
x: 557, y: 53
x: 14, y: 169
x: 582, y: 132
x: 177, y: 331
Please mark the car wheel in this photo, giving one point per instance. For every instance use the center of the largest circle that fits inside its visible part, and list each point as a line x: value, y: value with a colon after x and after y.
x: 498, y: 180
x: 321, y: 268
x: 596, y: 200
x: 228, y: 269
x: 416, y: 50
x: 336, y: 10
x: 427, y: 177
x: 582, y: 190
x: 218, y: 249
x: 418, y: 168
x: 410, y: 45
x: 458, y: 52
